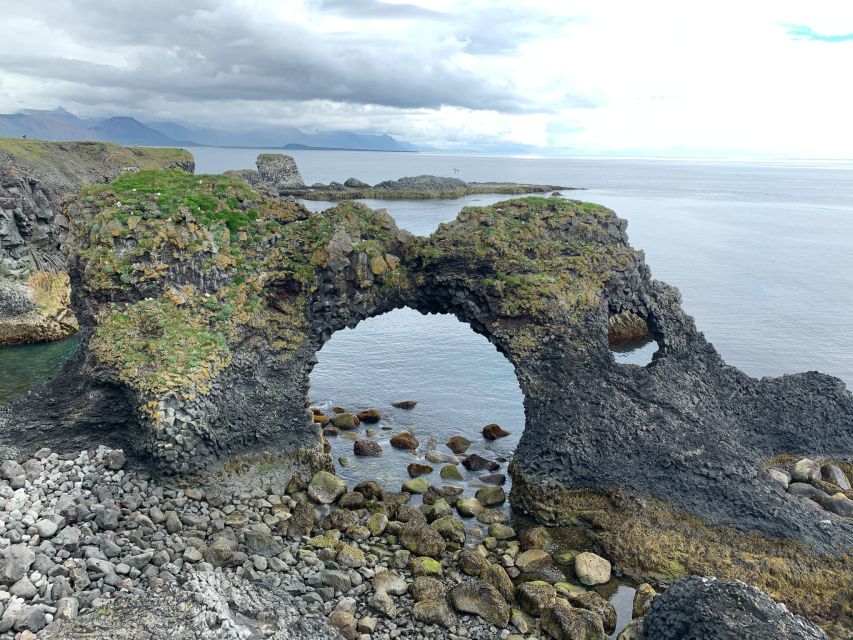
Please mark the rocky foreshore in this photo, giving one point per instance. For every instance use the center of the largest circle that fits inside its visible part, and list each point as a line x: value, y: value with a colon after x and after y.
x: 92, y: 548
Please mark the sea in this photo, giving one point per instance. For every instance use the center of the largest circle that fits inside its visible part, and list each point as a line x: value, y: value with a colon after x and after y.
x: 762, y: 253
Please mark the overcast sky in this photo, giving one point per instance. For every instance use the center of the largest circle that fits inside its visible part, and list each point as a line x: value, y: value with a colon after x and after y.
x: 758, y: 77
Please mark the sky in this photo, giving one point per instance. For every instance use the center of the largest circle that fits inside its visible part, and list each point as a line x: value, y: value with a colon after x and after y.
x: 757, y: 78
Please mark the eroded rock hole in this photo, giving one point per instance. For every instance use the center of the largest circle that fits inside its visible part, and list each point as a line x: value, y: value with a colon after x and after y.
x: 459, y: 382
x: 630, y: 339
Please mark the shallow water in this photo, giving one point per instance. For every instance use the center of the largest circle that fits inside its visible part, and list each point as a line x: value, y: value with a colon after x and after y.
x: 22, y: 366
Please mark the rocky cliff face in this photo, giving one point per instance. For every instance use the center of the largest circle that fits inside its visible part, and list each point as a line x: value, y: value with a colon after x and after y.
x: 36, y: 181
x: 202, y: 304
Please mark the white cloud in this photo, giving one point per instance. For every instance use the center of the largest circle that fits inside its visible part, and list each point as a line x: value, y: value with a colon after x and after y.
x: 725, y: 78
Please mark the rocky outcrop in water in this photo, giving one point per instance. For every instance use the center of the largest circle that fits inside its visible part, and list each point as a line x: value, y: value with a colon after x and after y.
x: 279, y: 175
x: 37, y: 179
x: 200, y: 325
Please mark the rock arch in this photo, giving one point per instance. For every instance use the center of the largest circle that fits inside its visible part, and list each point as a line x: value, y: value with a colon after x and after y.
x: 202, y: 305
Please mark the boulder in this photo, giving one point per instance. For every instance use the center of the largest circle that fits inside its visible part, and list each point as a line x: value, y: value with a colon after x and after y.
x: 404, y: 440
x: 458, y: 444
x: 493, y: 432
x: 535, y: 597
x: 344, y: 623
x: 491, y: 496
x: 421, y: 539
x: 15, y: 563
x: 416, y: 485
x: 434, y: 611
x: 408, y: 405
x: 481, y: 599
x: 832, y: 473
x: 326, y: 487
x: 469, y: 507
x: 450, y: 529
x: 416, y: 469
x: 475, y: 462
x: 532, y: 559
x: 424, y: 566
x: 367, y: 448
x: 279, y: 171
x: 591, y: 601
x: 370, y: 416
x: 344, y: 421
x: 450, y: 472
x: 592, y: 569
x: 471, y: 562
x: 643, y: 597
x: 564, y: 622
x: 806, y: 470
x: 497, y: 576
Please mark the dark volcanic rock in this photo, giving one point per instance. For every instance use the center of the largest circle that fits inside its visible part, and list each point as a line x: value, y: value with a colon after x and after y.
x: 365, y: 447
x: 476, y: 462
x: 494, y: 431
x: 405, y: 404
x: 712, y: 609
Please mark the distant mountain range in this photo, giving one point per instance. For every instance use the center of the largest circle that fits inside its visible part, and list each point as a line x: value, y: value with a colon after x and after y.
x: 60, y: 124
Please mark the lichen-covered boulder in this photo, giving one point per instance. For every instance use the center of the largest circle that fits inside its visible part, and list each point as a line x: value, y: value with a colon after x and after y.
x: 421, y: 539
x: 481, y: 599
x: 326, y: 487
x: 278, y: 171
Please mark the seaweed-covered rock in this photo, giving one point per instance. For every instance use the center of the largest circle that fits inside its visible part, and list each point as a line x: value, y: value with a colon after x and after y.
x: 723, y: 610
x: 481, y: 599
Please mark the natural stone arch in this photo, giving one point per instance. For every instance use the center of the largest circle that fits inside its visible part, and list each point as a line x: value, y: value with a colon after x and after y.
x: 202, y: 310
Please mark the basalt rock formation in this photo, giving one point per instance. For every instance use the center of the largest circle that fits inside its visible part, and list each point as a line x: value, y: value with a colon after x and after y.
x: 202, y: 305
x: 279, y: 175
x: 37, y: 179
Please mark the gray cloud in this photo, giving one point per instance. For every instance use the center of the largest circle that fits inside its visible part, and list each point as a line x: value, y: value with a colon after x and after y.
x: 166, y: 57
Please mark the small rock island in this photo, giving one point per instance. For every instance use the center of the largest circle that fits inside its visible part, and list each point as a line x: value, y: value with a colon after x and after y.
x: 172, y: 478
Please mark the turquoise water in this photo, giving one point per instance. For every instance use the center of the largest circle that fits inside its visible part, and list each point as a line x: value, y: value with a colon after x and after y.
x: 22, y: 366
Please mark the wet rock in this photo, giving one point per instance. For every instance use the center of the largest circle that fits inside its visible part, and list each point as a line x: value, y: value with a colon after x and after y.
x: 326, y: 487
x: 563, y: 622
x: 532, y: 559
x: 367, y: 448
x: 408, y: 405
x: 591, y: 601
x: 643, y: 597
x: 450, y: 472
x: 404, y: 440
x: 493, y: 432
x: 469, y: 507
x: 458, y: 444
x: 592, y: 569
x: 475, y: 462
x: 450, y: 529
x: 494, y: 478
x: 344, y: 421
x: 698, y: 607
x: 422, y: 539
x: 370, y: 416
x: 351, y: 500
x: 471, y: 562
x: 501, y: 531
x: 632, y: 631
x: 806, y: 470
x: 416, y: 469
x: 416, y: 485
x: 445, y: 492
x: 481, y: 599
x: 497, y: 576
x: 535, y: 538
x: 371, y: 490
x: 491, y: 516
x: 491, y: 496
x: 535, y: 597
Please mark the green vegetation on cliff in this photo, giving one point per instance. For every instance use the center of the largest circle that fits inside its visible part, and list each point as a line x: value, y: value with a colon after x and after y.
x: 527, y: 256
x: 246, y: 266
